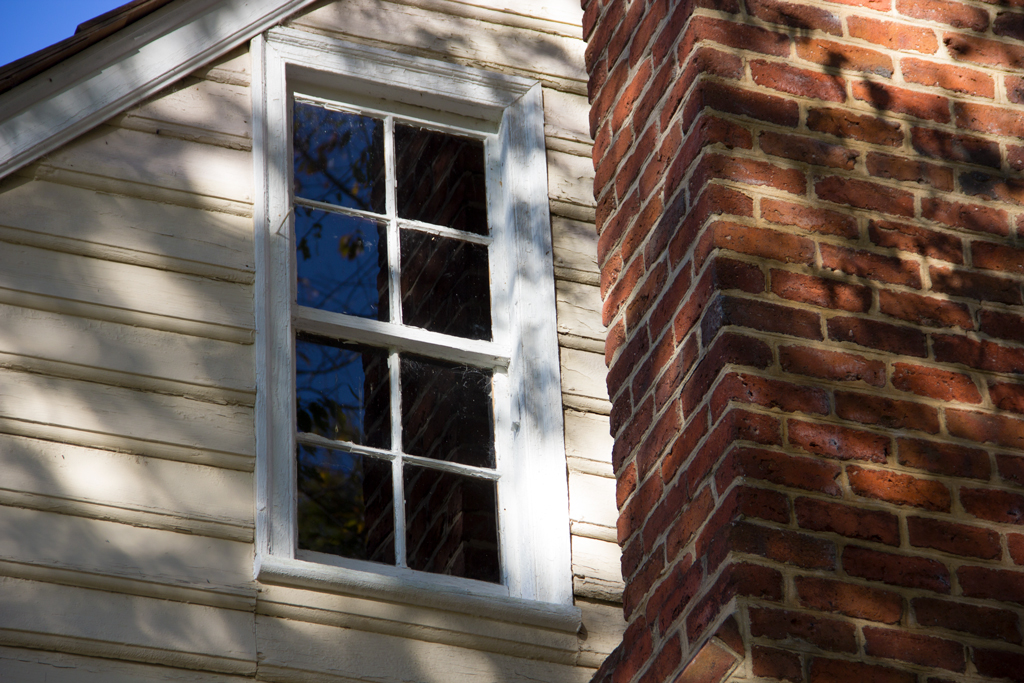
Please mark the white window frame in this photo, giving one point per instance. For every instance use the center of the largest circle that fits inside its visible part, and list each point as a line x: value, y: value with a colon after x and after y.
x: 533, y: 492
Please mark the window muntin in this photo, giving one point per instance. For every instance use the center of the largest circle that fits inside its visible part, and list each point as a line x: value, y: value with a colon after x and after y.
x: 389, y: 211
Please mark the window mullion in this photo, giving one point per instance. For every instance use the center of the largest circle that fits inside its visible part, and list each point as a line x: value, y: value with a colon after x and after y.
x: 391, y: 205
x: 397, y: 463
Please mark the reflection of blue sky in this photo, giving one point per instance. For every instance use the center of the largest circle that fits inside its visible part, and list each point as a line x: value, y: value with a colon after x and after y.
x: 340, y: 261
x: 338, y: 158
x: 331, y: 390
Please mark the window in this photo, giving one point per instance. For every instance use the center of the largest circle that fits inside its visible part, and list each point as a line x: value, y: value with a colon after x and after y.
x: 409, y: 411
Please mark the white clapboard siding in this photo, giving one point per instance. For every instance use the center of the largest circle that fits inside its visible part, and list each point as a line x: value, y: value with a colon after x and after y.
x: 592, y: 500
x: 570, y: 178
x: 126, y: 229
x: 596, y: 568
x: 605, y: 625
x: 202, y: 105
x: 47, y: 539
x: 32, y: 666
x: 579, y: 310
x: 129, y: 355
x: 98, y: 415
x: 122, y: 483
x: 480, y: 43
x: 587, y: 436
x: 566, y: 116
x: 288, y: 647
x: 126, y: 288
x: 234, y: 68
x: 564, y: 11
x: 165, y: 162
x: 583, y: 374
x: 575, y: 245
x: 103, y: 624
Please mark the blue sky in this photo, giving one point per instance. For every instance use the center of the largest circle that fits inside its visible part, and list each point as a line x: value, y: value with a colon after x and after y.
x: 30, y: 25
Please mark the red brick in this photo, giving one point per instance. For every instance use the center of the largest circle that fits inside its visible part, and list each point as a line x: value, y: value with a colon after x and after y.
x: 638, y: 585
x: 995, y: 188
x: 670, y: 654
x: 1014, y: 90
x: 763, y: 504
x: 983, y: 355
x: 684, y: 446
x: 990, y: 119
x: 727, y: 348
x: 767, y: 392
x: 688, y: 520
x: 1015, y: 544
x: 880, y: 5
x: 778, y: 664
x: 957, y: 539
x: 760, y: 315
x: 712, y: 663
x: 919, y: 240
x: 895, y: 36
x: 948, y: 12
x: 1008, y: 397
x: 980, y: 286
x: 998, y: 663
x: 862, y: 194
x: 897, y: 570
x: 795, y: 81
x: 760, y: 242
x: 846, y: 520
x: 798, y: 472
x: 860, y: 602
x: 924, y: 310
x: 844, y: 124
x: 788, y: 547
x: 636, y: 649
x: 841, y: 443
x: 832, y: 365
x: 795, y: 16
x: 994, y: 584
x: 822, y: 292
x: 812, y: 219
x: 956, y: 78
x: 973, y: 217
x: 807, y: 150
x: 998, y: 429
x: 732, y: 100
x: 645, y: 294
x: 827, y: 634
x: 901, y: 101
x: 755, y: 581
x: 1009, y: 24
x: 911, y: 170
x: 900, y: 489
x: 866, y: 264
x: 984, y: 52
x: 914, y: 648
x: 942, y: 385
x: 1000, y: 257
x: 886, y: 412
x: 845, y: 56
x: 1011, y: 468
x: 746, y: 171
x: 992, y: 624
x: 1002, y: 325
x: 845, y: 671
x: 674, y: 593
x: 944, y: 458
x: 734, y: 35
x: 878, y: 335
x: 993, y: 505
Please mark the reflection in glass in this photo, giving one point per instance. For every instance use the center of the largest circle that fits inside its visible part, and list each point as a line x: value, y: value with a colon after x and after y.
x: 441, y: 179
x: 445, y: 285
x: 451, y: 524
x: 342, y: 391
x: 447, y: 411
x: 345, y: 504
x: 338, y: 157
x: 342, y: 263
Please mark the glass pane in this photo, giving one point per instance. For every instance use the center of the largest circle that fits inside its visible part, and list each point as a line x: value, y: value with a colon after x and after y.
x: 441, y: 179
x: 345, y: 504
x: 445, y: 285
x: 342, y: 391
x: 451, y: 524
x: 342, y: 263
x: 447, y: 411
x: 338, y: 158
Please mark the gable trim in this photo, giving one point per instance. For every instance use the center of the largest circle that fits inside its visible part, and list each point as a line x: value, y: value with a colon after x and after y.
x: 119, y: 74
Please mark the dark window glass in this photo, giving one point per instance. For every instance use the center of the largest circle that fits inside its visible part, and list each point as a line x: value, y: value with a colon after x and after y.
x: 342, y: 263
x: 441, y: 179
x: 345, y: 504
x: 445, y: 285
x: 447, y: 411
x: 338, y: 158
x: 451, y: 524
x: 342, y: 391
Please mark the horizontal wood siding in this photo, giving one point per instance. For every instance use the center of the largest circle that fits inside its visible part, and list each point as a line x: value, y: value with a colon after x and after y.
x: 127, y: 390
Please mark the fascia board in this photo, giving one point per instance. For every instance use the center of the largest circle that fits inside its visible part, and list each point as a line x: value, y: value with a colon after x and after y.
x: 124, y: 70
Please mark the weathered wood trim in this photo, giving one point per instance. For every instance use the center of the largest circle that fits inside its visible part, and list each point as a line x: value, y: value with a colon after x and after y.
x: 125, y: 70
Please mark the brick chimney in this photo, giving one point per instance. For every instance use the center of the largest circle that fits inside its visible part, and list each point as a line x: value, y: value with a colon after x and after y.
x: 811, y: 220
